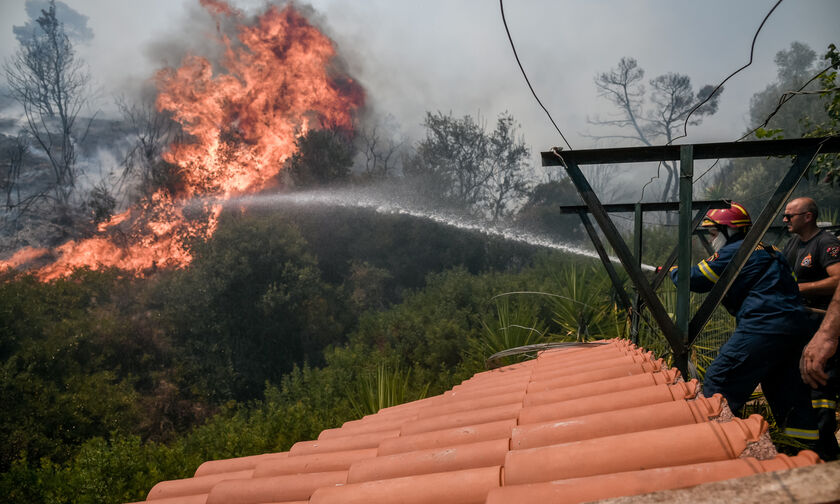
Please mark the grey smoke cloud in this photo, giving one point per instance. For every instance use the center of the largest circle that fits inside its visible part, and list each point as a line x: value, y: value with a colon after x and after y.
x: 75, y: 23
x: 438, y: 55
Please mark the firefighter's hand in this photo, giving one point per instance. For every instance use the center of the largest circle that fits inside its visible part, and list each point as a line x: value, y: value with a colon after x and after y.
x: 814, y: 358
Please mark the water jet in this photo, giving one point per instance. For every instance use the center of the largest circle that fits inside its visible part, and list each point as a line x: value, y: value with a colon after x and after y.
x: 373, y: 200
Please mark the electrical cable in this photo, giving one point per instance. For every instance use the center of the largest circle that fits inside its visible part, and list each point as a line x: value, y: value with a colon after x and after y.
x: 752, y: 52
x: 786, y: 97
x: 783, y: 99
x: 714, y: 91
x: 515, y: 55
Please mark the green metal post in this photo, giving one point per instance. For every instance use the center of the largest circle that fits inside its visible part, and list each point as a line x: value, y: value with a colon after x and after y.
x: 684, y: 255
x: 637, y: 251
x: 760, y: 225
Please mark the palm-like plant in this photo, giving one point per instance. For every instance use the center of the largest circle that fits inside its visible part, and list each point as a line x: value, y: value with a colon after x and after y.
x: 583, y: 308
x: 515, y: 325
x: 382, y: 388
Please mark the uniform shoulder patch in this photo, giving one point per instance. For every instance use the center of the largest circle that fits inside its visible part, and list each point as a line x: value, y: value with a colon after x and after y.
x: 833, y: 251
x: 806, y: 261
x: 712, y: 257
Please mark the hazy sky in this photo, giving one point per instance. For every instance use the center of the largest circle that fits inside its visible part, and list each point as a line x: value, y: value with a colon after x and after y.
x: 454, y: 55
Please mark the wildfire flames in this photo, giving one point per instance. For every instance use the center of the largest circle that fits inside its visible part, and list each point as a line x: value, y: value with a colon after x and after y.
x: 242, y: 116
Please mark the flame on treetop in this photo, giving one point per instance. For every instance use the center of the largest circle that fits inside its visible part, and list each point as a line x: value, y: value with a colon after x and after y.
x: 241, y: 115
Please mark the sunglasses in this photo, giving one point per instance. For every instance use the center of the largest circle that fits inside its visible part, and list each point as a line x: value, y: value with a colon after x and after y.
x: 789, y: 216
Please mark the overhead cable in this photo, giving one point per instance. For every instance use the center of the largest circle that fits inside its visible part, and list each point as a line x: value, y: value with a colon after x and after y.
x: 784, y: 98
x: 752, y: 53
x: 515, y: 55
x: 716, y: 89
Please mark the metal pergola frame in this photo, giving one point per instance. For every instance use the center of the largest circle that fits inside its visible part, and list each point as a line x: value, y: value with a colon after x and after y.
x: 682, y: 332
x: 635, y: 306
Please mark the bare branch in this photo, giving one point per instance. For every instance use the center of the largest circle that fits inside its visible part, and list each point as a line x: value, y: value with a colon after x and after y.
x: 670, y: 101
x: 45, y: 77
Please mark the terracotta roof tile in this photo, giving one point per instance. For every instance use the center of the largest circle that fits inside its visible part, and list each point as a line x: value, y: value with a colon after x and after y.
x: 342, y: 441
x: 448, y: 437
x: 187, y: 499
x: 316, y: 462
x: 576, y: 424
x: 666, y: 377
x: 195, y: 485
x: 236, y: 464
x: 608, y: 402
x: 637, y: 482
x: 286, y: 488
x: 435, y: 460
x: 462, y: 418
x: 468, y: 486
x: 641, y: 418
x: 596, y: 375
x: 684, y: 444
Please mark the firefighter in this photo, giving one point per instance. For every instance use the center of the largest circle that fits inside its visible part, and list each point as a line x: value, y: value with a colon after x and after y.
x: 768, y: 338
x: 813, y: 253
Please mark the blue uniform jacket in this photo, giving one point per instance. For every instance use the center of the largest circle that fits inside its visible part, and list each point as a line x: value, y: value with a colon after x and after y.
x: 764, y: 298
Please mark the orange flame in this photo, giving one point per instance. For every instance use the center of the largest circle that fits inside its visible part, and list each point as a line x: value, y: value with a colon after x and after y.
x: 242, y: 116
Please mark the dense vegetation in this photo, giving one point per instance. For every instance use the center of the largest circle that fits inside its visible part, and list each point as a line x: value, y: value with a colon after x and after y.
x: 114, y: 382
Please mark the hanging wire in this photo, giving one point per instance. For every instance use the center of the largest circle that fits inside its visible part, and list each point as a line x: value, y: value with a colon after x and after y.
x: 783, y: 99
x: 649, y: 182
x: 752, y: 52
x: 786, y: 97
x: 515, y: 55
x: 717, y: 88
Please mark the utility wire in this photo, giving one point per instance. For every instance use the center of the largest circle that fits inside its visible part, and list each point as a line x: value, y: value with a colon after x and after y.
x: 786, y: 97
x: 782, y: 100
x: 515, y: 55
x: 752, y: 53
x: 717, y: 88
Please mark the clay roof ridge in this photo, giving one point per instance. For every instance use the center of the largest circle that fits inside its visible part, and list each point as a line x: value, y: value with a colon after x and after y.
x: 584, y: 416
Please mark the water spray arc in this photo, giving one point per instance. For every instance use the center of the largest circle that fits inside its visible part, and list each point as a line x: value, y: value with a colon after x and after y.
x: 240, y: 106
x: 367, y: 199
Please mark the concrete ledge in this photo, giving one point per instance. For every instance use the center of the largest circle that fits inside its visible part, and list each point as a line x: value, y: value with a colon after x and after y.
x: 815, y: 484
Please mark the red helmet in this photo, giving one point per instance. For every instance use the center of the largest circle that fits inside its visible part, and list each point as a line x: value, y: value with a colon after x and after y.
x: 735, y: 217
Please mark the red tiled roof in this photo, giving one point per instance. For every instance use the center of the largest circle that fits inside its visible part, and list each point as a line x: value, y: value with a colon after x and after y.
x: 576, y: 424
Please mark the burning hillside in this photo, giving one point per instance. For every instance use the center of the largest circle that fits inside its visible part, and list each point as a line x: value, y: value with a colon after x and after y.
x: 240, y: 115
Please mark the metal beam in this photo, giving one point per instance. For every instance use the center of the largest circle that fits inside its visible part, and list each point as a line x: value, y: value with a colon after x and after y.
x: 625, y: 256
x: 684, y: 256
x: 804, y: 150
x: 605, y: 259
x: 661, y: 206
x: 722, y: 150
x: 756, y: 232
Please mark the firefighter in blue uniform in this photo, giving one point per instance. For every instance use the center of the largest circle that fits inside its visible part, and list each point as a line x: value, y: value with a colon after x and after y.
x: 769, y: 335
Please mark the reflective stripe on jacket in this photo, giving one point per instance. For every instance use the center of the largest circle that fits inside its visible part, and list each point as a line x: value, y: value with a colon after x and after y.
x: 764, y: 296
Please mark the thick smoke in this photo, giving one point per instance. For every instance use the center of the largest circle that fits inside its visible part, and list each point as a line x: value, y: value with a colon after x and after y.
x: 241, y: 88
x: 75, y: 23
